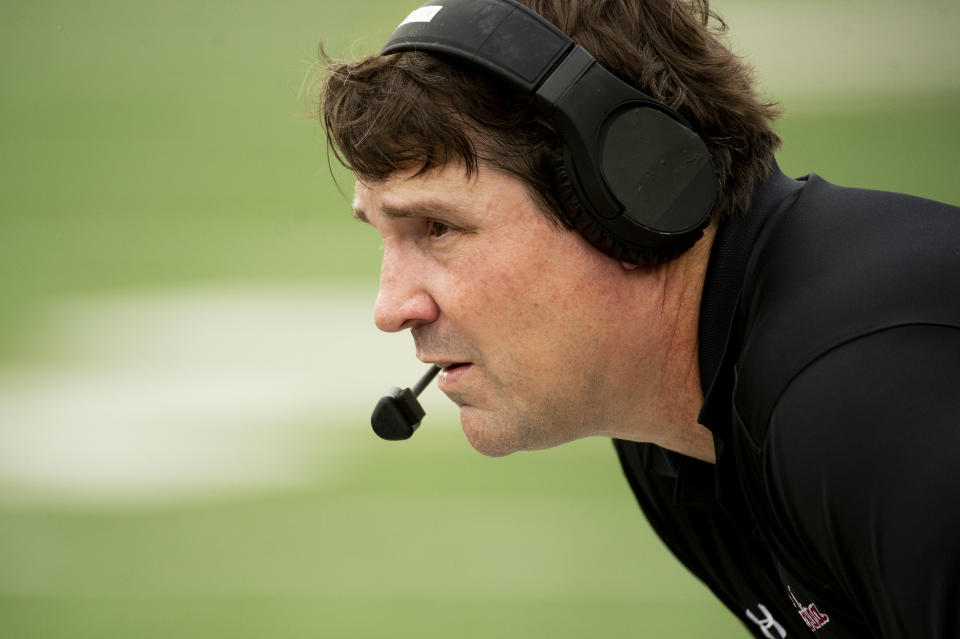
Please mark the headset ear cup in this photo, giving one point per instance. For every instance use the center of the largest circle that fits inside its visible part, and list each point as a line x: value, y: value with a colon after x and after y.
x: 577, y: 215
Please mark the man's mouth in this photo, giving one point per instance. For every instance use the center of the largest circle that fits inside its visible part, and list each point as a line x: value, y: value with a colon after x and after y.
x: 451, y: 373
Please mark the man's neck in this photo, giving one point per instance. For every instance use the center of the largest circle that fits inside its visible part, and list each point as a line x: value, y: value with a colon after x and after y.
x: 671, y: 398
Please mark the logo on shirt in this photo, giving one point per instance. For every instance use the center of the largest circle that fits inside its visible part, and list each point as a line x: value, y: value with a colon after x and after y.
x: 814, y: 619
x: 768, y: 625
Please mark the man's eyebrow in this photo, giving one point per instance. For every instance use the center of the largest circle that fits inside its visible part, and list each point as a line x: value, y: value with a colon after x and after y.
x: 419, y: 209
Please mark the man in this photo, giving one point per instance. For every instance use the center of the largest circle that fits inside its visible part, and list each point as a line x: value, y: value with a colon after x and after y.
x: 777, y: 360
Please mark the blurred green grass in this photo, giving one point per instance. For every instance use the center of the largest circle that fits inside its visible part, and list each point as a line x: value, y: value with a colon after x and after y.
x: 154, y: 144
x: 435, y: 542
x: 164, y: 144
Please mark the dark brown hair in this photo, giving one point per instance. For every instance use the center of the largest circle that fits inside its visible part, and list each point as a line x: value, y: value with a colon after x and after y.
x: 415, y: 110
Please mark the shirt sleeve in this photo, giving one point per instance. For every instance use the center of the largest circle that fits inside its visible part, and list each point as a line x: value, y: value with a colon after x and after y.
x: 863, y: 456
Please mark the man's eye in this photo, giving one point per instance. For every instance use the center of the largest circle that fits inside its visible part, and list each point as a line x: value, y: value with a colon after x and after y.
x: 437, y: 229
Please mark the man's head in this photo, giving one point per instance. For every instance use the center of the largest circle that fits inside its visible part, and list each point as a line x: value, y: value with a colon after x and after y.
x: 543, y: 338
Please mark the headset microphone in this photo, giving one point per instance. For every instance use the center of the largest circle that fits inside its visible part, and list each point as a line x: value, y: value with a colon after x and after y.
x: 398, y: 413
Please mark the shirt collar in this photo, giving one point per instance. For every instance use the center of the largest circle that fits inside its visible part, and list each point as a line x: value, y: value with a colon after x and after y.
x: 719, y: 342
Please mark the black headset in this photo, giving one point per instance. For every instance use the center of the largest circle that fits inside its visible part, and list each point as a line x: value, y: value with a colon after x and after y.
x: 641, y: 181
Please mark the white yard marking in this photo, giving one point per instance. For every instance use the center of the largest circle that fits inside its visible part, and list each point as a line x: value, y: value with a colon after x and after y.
x: 175, y: 393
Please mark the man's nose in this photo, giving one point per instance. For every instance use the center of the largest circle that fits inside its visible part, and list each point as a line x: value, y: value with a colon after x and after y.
x: 403, y: 301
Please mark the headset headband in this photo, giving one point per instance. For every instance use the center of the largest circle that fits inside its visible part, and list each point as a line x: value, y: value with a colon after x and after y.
x: 505, y: 38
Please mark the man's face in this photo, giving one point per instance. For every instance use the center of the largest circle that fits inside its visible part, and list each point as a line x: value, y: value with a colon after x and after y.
x: 524, y: 318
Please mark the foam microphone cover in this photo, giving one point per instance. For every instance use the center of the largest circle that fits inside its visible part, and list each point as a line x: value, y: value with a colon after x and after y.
x: 397, y: 415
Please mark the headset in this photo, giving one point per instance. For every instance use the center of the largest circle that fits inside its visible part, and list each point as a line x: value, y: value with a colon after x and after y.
x: 641, y: 183
x: 637, y: 182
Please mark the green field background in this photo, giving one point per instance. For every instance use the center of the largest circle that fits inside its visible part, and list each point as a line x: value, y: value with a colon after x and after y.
x: 166, y: 145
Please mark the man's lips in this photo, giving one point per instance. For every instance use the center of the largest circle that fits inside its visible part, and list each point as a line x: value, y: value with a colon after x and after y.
x: 451, y: 373
x: 442, y: 364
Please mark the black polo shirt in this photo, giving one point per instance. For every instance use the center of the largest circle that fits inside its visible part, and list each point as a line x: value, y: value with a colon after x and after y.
x: 830, y: 358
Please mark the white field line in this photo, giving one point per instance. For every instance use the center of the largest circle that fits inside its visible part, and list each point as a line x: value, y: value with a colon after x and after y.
x: 185, y: 391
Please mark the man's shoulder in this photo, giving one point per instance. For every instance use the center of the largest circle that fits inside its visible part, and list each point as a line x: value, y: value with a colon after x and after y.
x: 836, y: 265
x: 837, y: 248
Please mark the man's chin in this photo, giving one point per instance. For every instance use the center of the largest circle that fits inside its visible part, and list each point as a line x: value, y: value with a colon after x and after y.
x: 487, y: 433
